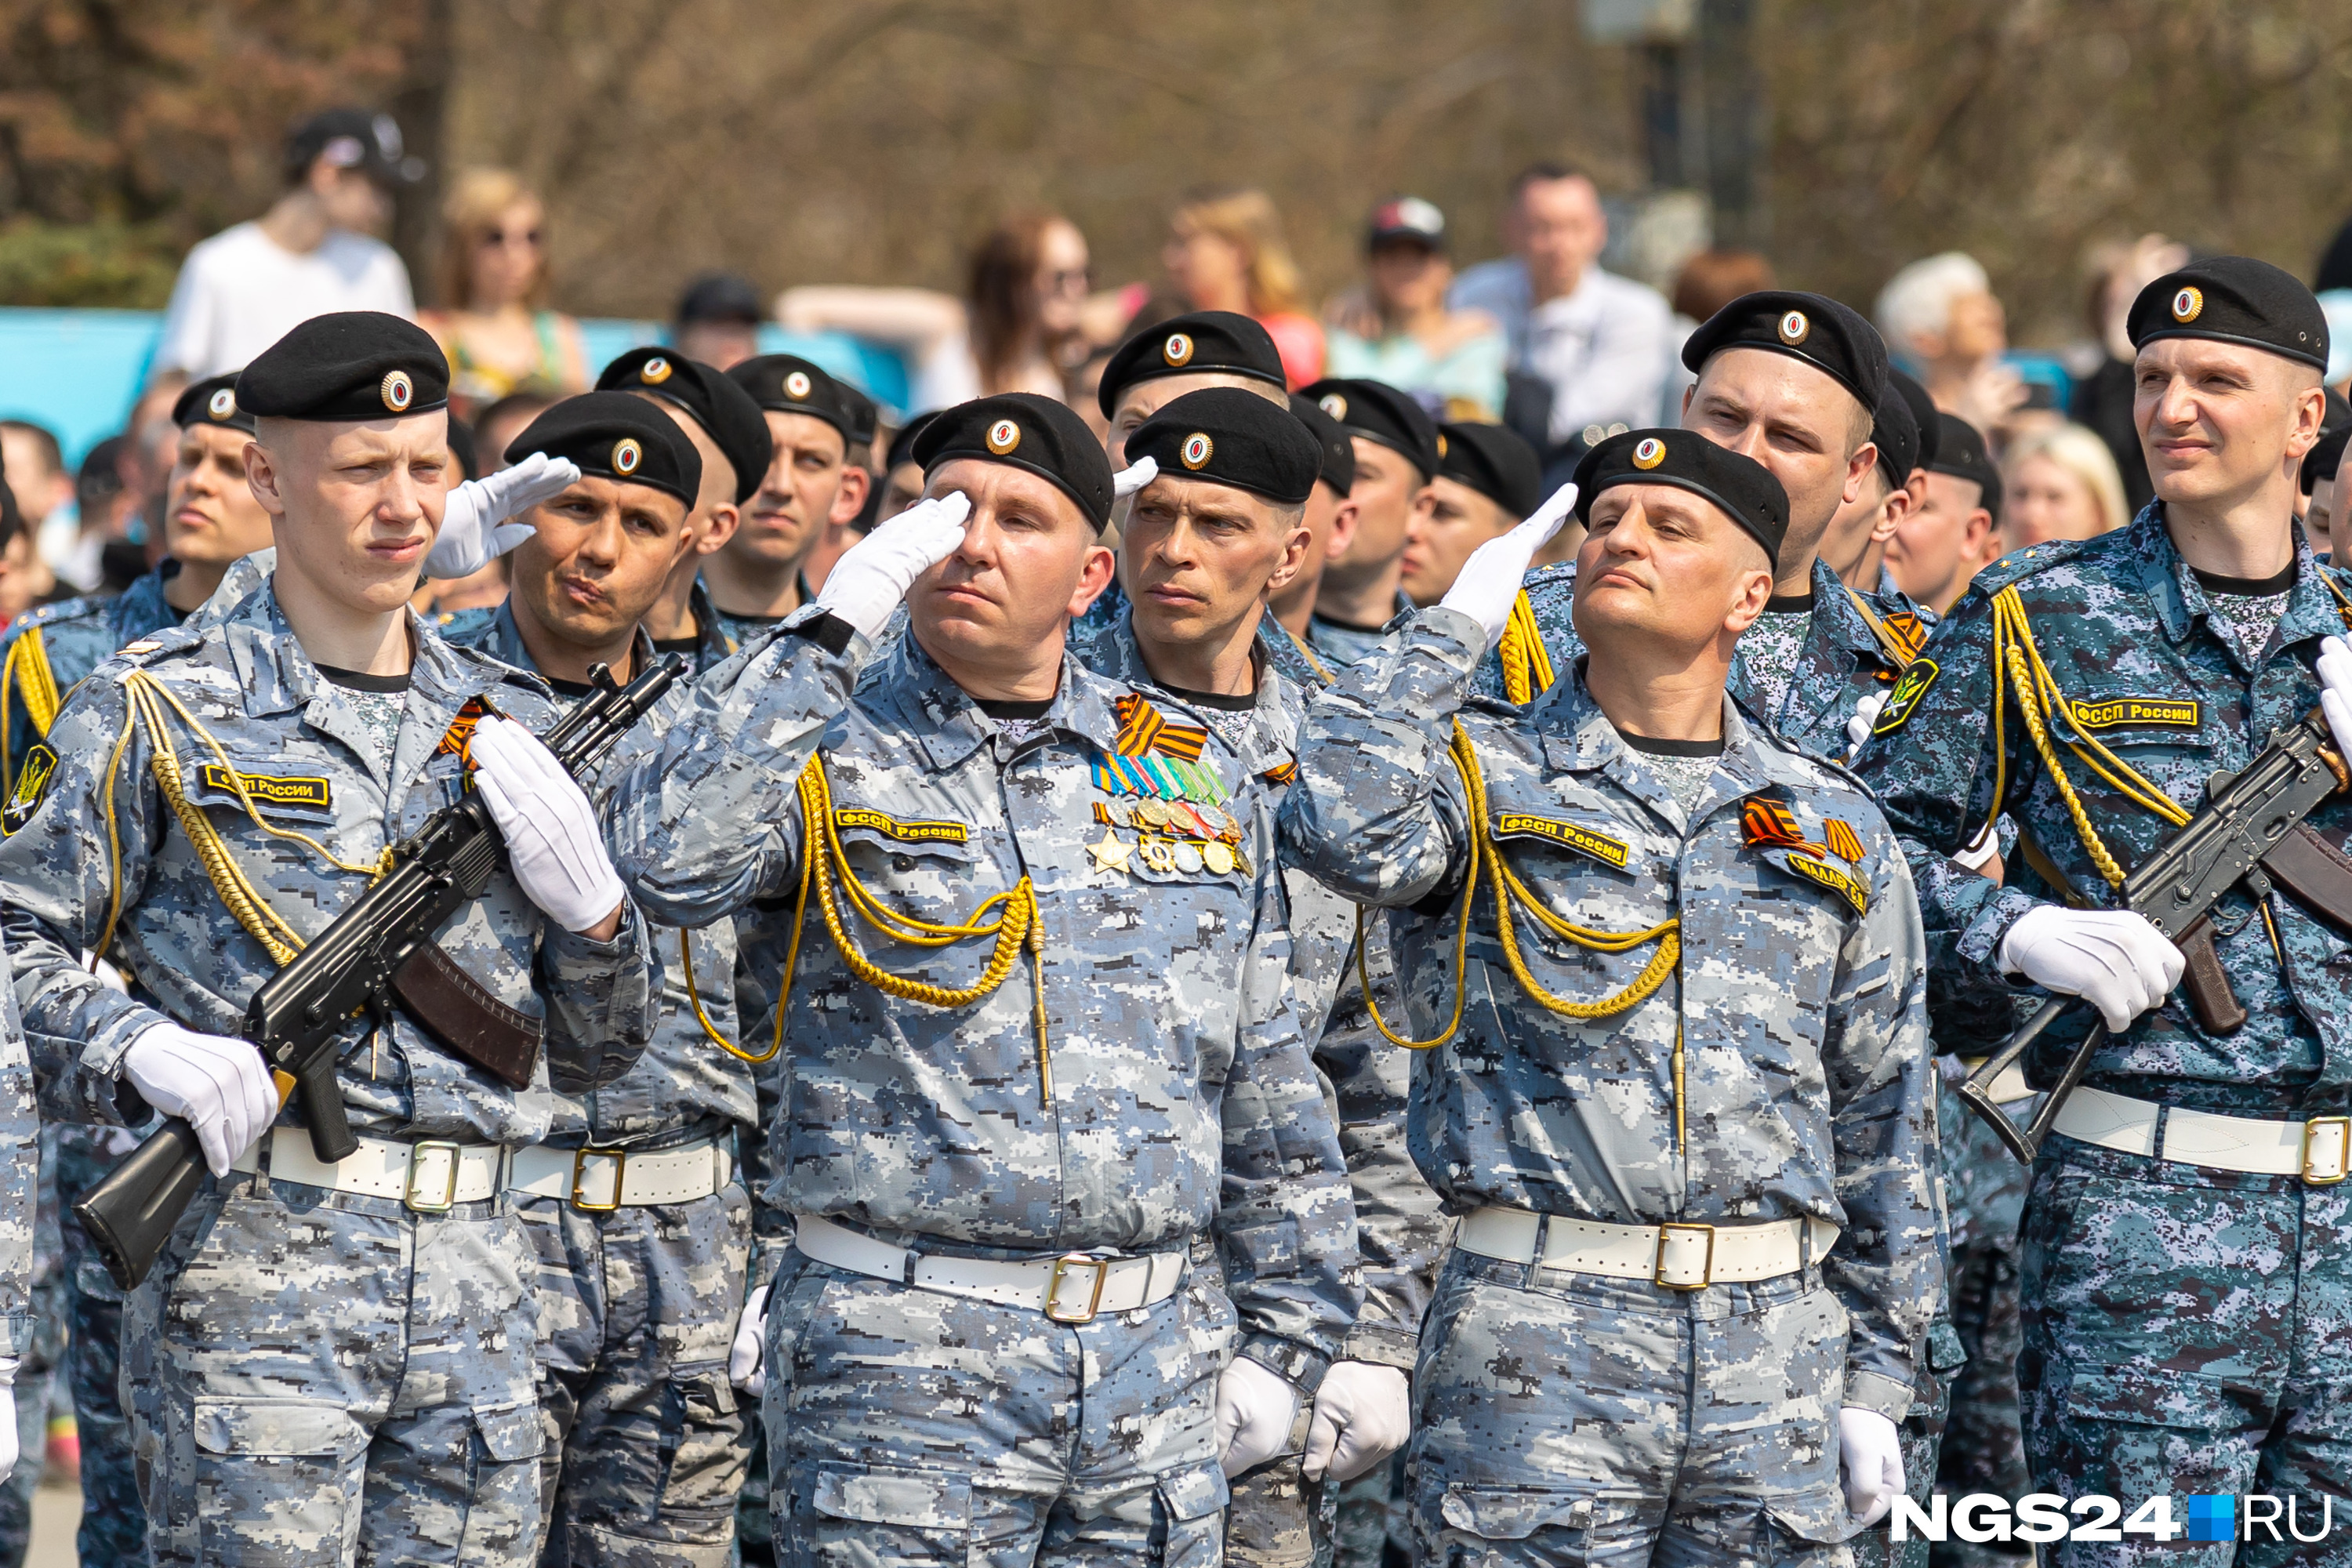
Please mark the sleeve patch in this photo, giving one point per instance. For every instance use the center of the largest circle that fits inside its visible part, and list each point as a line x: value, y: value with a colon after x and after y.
x: 2136, y: 713
x: 1830, y: 876
x: 1917, y: 676
x: 32, y: 787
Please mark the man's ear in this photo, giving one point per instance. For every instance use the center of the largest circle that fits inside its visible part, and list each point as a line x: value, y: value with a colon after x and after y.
x: 724, y: 521
x: 1753, y: 591
x: 1293, y: 560
x: 261, y: 479
x: 1891, y: 513
x: 850, y: 498
x: 1343, y: 530
x: 1094, y: 576
x: 1857, y: 468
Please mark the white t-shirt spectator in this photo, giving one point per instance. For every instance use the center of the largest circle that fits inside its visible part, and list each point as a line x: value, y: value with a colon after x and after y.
x: 240, y: 291
x: 1605, y: 348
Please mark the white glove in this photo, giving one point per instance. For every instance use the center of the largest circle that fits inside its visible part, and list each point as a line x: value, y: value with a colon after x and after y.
x: 1363, y: 1413
x: 743, y: 1368
x: 1872, y: 1457
x: 868, y: 582
x: 1489, y: 582
x: 216, y: 1085
x: 2335, y: 690
x: 1255, y: 1408
x: 474, y: 527
x: 1865, y: 715
x: 1981, y: 849
x: 1133, y: 478
x: 2112, y: 959
x: 552, y: 838
x: 8, y: 1411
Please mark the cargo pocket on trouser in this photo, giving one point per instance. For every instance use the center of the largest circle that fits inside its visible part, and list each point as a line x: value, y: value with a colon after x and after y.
x: 874, y: 1516
x: 1807, y: 1531
x: 277, y: 1480
x: 1189, y: 1532
x: 2139, y: 1433
x: 502, y: 1514
x: 1495, y: 1527
x: 704, y: 1450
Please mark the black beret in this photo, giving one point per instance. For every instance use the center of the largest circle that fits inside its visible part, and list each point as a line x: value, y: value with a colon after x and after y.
x: 1201, y: 342
x: 1496, y: 461
x: 1743, y: 488
x: 788, y: 383
x: 1825, y: 334
x: 865, y: 414
x: 462, y: 449
x: 724, y: 410
x: 1922, y: 416
x: 1338, y: 469
x: 1961, y: 452
x: 347, y: 366
x: 2326, y: 453
x: 213, y: 401
x: 1232, y: 437
x: 1023, y: 430
x: 612, y: 435
x: 2233, y: 299
x: 1895, y: 429
x: 902, y: 445
x: 1379, y: 412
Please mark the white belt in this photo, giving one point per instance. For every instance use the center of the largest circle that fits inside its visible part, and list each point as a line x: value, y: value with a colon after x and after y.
x: 2009, y: 1084
x: 1680, y: 1256
x: 1071, y: 1289
x: 431, y: 1175
x: 2319, y: 1150
x: 597, y: 1181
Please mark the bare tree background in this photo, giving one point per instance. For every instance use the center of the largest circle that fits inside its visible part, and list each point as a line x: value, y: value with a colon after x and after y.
x: 872, y: 140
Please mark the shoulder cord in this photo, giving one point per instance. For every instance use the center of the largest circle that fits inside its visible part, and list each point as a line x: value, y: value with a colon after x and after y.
x: 1526, y: 663
x: 1305, y: 653
x: 1890, y: 646
x: 147, y: 700
x: 826, y: 863
x: 1507, y: 888
x: 26, y: 670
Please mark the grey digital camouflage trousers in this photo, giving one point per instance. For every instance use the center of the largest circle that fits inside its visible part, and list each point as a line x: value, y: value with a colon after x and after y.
x: 1572, y: 1419
x: 323, y: 1378
x: 2187, y: 1332
x: 910, y: 1427
x: 1279, y: 1519
x: 646, y: 1444
x: 113, y: 1519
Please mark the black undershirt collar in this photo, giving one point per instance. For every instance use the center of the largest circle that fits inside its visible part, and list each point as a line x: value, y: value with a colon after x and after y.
x: 361, y: 680
x: 1658, y: 748
x: 1350, y: 626
x: 2249, y: 587
x: 1217, y: 700
x: 1001, y: 709
x: 1787, y: 605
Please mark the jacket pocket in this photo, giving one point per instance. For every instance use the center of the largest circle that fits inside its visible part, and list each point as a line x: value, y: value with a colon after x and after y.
x: 278, y: 1479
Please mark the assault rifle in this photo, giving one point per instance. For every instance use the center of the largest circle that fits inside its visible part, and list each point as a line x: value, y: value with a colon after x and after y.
x: 2251, y: 832
x: 378, y: 954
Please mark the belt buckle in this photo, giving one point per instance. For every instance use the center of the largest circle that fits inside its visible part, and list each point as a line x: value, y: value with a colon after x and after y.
x: 2337, y: 1169
x: 1707, y: 1270
x: 579, y: 1158
x: 1062, y: 1265
x: 448, y: 1198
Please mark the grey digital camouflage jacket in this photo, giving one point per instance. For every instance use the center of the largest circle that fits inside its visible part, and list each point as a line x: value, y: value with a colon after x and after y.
x: 1798, y: 999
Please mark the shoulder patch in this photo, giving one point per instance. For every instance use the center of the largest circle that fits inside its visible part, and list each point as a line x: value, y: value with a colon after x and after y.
x: 905, y: 832
x: 33, y: 782
x: 270, y: 789
x: 1901, y: 702
x: 1847, y: 886
x: 2135, y: 713
x: 1601, y: 847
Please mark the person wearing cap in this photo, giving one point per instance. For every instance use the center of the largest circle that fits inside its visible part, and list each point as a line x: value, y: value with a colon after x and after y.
x: 1210, y: 542
x: 1489, y: 478
x: 1001, y: 1319
x: 2182, y: 1290
x: 1184, y: 354
x: 1400, y: 332
x: 1360, y: 597
x: 1331, y: 519
x: 814, y: 484
x: 358, y: 1315
x: 729, y: 433
x: 1855, y: 544
x: 643, y: 1260
x: 1956, y: 530
x: 1675, y: 1085
x: 314, y: 252
x: 718, y: 321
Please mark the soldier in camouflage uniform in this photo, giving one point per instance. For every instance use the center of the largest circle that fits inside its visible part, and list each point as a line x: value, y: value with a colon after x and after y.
x: 329, y: 1358
x: 1217, y: 532
x: 999, y: 1334
x: 20, y: 1182
x: 634, y: 1201
x: 1360, y: 599
x: 210, y: 520
x: 1681, y: 1098
x: 2185, y: 1283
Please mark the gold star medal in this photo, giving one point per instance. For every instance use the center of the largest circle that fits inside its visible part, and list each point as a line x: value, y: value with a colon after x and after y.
x: 1111, y: 853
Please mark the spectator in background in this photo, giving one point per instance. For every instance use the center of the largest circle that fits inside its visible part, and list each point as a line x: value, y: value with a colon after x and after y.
x: 1404, y: 336
x: 313, y: 252
x: 2103, y: 399
x: 1939, y: 315
x: 1955, y: 531
x: 1603, y: 344
x: 494, y: 326
x: 2060, y: 483
x: 36, y: 467
x: 718, y: 321
x: 25, y: 579
x: 1706, y: 284
x: 1027, y: 319
x: 1225, y: 252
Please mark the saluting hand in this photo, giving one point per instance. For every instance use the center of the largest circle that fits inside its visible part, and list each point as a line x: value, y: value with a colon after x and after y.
x: 474, y: 527
x: 1489, y: 582
x: 871, y: 581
